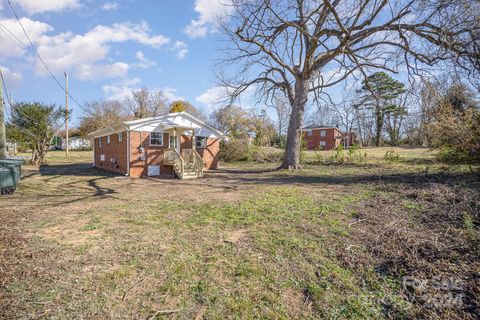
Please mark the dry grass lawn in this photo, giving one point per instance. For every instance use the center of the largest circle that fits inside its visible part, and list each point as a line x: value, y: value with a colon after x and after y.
x: 331, y: 242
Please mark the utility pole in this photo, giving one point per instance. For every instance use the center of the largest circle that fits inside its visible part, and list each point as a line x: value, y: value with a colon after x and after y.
x: 66, y: 114
x: 3, y: 139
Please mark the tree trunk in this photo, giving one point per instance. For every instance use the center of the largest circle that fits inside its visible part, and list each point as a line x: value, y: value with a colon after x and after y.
x: 291, y: 159
x: 379, y: 118
x: 3, y: 138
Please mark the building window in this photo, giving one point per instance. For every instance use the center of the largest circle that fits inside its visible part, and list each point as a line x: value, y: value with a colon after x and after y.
x: 100, y: 142
x: 156, y: 139
x: 310, y: 133
x: 120, y: 136
x: 172, y: 142
x: 201, y: 142
x: 323, y: 143
x: 108, y: 139
x: 323, y: 133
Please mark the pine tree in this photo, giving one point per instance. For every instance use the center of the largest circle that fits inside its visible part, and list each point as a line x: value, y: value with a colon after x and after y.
x: 378, y: 92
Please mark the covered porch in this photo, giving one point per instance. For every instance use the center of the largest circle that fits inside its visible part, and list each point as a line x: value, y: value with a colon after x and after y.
x: 182, y: 155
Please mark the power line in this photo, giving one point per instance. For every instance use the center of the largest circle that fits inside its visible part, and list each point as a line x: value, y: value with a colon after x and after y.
x: 40, y: 58
x: 6, y: 93
x: 12, y: 36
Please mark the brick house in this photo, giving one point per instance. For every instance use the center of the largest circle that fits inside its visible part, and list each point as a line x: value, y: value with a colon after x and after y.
x: 175, y: 144
x: 327, y: 138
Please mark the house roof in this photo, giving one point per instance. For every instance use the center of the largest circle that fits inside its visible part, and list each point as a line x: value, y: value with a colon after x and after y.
x: 320, y: 127
x: 183, y: 120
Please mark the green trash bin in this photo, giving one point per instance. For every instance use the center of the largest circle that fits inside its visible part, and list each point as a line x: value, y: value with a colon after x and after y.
x: 10, y: 173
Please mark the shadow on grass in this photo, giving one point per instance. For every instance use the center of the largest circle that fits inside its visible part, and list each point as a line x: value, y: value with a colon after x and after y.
x: 75, y: 169
x: 55, y: 172
x: 279, y: 177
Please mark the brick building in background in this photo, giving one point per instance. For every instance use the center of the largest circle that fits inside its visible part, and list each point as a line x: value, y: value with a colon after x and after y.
x: 175, y: 144
x: 327, y: 138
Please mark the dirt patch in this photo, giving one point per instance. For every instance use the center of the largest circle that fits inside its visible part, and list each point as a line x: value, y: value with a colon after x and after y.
x: 74, y: 232
x: 235, y: 236
x: 297, y: 303
x: 425, y: 238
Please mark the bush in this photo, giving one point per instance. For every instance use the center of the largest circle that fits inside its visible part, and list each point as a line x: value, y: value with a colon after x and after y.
x: 239, y: 150
x: 318, y: 155
x: 355, y: 154
x: 338, y: 156
x: 265, y: 154
x: 391, y: 156
x: 234, y: 150
x: 454, y: 155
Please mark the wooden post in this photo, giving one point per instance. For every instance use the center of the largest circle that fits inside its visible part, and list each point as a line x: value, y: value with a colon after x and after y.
x: 3, y: 139
x: 193, y: 140
x: 66, y: 114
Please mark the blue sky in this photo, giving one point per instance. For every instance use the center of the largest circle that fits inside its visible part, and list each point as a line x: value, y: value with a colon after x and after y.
x: 110, y: 48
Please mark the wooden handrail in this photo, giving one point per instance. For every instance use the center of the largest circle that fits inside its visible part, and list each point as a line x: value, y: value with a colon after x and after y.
x: 178, y: 167
x: 197, y: 162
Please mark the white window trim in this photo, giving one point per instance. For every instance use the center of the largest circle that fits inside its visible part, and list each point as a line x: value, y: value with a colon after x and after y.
x: 323, y: 143
x: 120, y: 136
x: 175, y: 139
x: 309, y: 133
x: 323, y: 133
x: 108, y: 139
x: 99, y: 142
x: 156, y: 145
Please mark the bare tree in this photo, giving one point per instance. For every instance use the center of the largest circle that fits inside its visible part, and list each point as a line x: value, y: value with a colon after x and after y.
x: 303, y: 47
x: 322, y: 115
x: 145, y: 103
x: 102, y: 113
x: 346, y: 115
x: 281, y: 106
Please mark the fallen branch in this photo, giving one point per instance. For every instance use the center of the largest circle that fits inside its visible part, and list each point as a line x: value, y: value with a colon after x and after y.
x: 351, y: 224
x: 164, y: 312
x: 136, y: 284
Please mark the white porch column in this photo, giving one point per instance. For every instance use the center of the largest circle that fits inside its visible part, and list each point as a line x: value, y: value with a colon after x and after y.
x: 193, y: 140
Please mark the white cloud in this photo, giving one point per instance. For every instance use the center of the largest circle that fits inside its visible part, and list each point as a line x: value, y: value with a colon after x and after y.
x: 39, y: 6
x: 171, y: 94
x: 12, y: 78
x: 210, y: 13
x: 82, y: 55
x: 119, y: 93
x: 13, y: 41
x: 110, y: 6
x: 143, y: 62
x: 181, y: 48
x: 100, y: 71
x: 212, y: 96
x: 121, y: 32
x: 218, y: 96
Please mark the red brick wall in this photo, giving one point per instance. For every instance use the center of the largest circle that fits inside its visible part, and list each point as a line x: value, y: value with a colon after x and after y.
x: 116, y: 151
x: 153, y: 154
x: 313, y: 141
x: 210, y: 154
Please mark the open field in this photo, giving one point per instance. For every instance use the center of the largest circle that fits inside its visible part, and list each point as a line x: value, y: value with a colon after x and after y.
x: 359, y: 241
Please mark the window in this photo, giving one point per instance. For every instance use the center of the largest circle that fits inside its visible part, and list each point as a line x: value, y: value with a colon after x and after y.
x: 323, y: 133
x: 323, y: 143
x: 108, y: 139
x: 120, y: 136
x: 156, y: 139
x: 100, y: 142
x: 201, y: 142
x: 172, y: 143
x: 310, y: 133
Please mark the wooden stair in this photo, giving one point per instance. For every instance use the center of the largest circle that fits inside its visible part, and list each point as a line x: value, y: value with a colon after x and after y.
x: 189, y: 172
